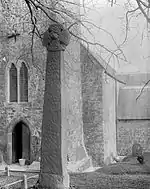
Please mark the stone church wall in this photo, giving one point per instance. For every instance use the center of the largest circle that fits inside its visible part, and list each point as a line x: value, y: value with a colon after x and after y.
x: 84, y: 84
x: 130, y: 131
x: 19, y: 49
x: 92, y: 95
x: 12, y: 51
x: 99, y: 108
x: 31, y: 110
x: 133, y: 115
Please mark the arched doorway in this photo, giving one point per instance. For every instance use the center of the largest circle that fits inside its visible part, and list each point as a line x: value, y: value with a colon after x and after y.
x: 20, y: 142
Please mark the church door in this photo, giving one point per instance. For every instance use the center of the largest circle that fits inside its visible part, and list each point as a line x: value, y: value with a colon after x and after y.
x: 20, y: 142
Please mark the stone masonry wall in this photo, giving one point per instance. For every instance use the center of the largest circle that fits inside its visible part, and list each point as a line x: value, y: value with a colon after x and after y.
x: 12, y: 51
x: 133, y: 124
x: 83, y: 84
x: 92, y: 76
x: 32, y: 111
x: 131, y: 131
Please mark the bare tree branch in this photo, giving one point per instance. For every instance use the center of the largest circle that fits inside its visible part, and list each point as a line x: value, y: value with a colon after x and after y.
x: 142, y: 10
x: 142, y: 89
x: 127, y: 24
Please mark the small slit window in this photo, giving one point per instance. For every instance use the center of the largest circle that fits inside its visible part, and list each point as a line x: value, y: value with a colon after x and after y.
x: 23, y: 83
x: 13, y: 84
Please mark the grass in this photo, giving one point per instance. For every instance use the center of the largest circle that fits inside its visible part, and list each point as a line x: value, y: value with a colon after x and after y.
x: 14, y: 176
x: 125, y: 168
x: 100, y: 180
x: 97, y: 180
x: 124, y: 175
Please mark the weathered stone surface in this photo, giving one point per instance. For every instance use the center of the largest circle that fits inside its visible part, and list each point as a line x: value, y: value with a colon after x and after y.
x: 49, y: 180
x: 54, y: 128
x: 130, y: 131
x: 56, y: 38
x: 137, y: 150
x: 92, y: 92
x: 51, y: 129
x: 12, y: 51
x: 133, y: 115
x: 99, y: 107
x: 32, y: 111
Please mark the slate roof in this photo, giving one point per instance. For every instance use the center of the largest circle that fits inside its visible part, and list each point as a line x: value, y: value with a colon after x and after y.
x: 135, y: 79
x: 128, y: 107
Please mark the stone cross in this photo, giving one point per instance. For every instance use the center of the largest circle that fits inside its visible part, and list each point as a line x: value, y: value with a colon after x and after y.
x: 54, y: 145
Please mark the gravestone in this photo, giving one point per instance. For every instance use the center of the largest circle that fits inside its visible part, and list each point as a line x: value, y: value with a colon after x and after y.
x: 137, y: 150
x: 54, y: 136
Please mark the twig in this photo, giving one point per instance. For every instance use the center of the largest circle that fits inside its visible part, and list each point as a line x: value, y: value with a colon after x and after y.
x: 142, y: 10
x: 142, y: 90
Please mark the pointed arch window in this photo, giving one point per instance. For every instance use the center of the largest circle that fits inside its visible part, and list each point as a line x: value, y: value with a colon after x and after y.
x: 23, y: 83
x: 18, y: 83
x: 13, y: 84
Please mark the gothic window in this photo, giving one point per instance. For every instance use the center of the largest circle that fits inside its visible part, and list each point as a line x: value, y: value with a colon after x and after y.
x: 18, y: 83
x: 23, y: 83
x: 13, y: 84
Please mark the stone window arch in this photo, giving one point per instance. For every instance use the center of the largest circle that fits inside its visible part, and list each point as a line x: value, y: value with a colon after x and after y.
x: 17, y: 82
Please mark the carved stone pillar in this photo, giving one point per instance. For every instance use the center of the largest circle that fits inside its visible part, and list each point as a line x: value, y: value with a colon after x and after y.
x: 54, y: 140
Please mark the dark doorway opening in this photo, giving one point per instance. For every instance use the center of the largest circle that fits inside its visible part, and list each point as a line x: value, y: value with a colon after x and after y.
x: 20, y: 142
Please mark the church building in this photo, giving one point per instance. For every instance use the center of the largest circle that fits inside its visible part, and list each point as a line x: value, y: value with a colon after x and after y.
x: 92, y: 95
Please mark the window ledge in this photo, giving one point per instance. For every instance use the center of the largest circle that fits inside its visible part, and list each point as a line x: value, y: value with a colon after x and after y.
x: 17, y: 103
